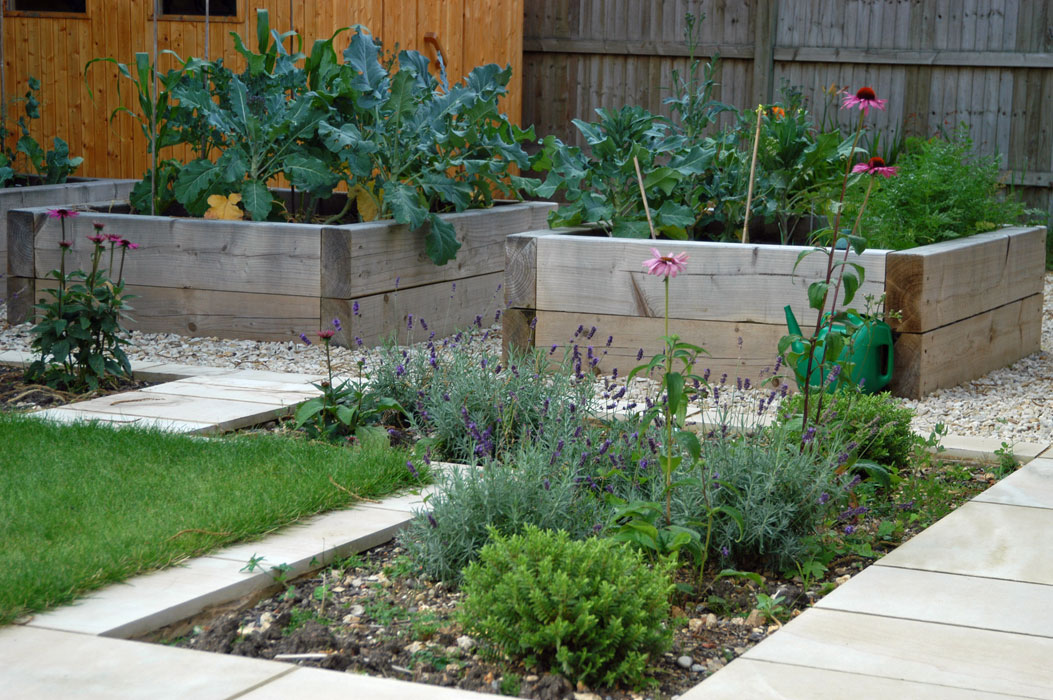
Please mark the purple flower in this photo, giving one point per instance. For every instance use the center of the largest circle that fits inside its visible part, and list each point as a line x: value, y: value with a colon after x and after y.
x: 409, y: 322
x: 336, y: 324
x: 354, y: 309
x: 823, y: 498
x: 358, y: 341
x: 546, y: 484
x: 423, y: 324
x: 639, y: 354
x: 305, y: 339
x: 849, y: 529
x: 431, y: 521
x: 400, y: 370
x: 412, y: 469
x: 724, y: 551
x: 808, y: 436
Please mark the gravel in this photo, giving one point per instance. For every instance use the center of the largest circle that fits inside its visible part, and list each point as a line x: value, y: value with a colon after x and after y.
x: 1012, y: 404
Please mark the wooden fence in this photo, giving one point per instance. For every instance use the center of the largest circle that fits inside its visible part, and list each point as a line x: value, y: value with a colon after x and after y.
x: 55, y: 47
x: 984, y: 63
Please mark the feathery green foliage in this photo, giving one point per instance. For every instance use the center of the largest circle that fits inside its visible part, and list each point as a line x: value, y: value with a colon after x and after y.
x: 592, y: 610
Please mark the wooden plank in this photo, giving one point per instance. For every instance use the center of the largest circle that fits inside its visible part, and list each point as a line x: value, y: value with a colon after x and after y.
x: 233, y: 256
x: 916, y: 57
x: 723, y: 281
x: 634, y: 47
x: 517, y: 331
x: 445, y: 306
x: 939, y: 284
x: 754, y: 357
x: 206, y: 313
x: 967, y: 349
x: 380, y: 257
x: 766, y: 16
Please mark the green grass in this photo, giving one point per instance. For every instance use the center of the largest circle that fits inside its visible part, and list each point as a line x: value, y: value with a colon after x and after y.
x: 82, y: 506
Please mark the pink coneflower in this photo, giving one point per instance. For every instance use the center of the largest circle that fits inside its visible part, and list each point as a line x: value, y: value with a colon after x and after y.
x: 875, y: 166
x: 61, y: 213
x: 65, y: 244
x: 865, y: 98
x: 114, y: 238
x: 326, y: 334
x: 665, y: 265
x: 125, y: 243
x: 97, y: 240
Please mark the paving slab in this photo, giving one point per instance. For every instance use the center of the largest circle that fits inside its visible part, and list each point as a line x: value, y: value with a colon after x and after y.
x: 983, y: 449
x: 223, y: 413
x: 983, y: 539
x: 148, y: 602
x: 49, y: 664
x: 68, y: 415
x: 749, y: 679
x: 234, y: 388
x: 321, y: 539
x: 907, y: 650
x: 16, y: 357
x: 950, y: 599
x: 170, y: 371
x: 1030, y: 486
x: 407, y: 503
x: 319, y: 683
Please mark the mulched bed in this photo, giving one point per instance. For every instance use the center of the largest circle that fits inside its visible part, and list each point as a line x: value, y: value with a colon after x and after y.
x: 16, y: 394
x: 374, y: 615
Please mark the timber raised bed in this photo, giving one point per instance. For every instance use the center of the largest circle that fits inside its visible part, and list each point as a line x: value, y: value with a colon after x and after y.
x: 272, y: 281
x: 75, y: 191
x: 969, y: 306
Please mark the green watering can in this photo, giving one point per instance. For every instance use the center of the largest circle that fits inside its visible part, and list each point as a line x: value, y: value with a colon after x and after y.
x: 870, y: 345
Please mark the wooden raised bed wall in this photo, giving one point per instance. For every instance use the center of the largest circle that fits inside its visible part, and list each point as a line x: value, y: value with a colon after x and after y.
x: 969, y: 306
x: 74, y: 192
x: 272, y: 281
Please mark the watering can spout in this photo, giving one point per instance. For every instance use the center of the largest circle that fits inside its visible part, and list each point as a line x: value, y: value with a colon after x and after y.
x: 791, y: 321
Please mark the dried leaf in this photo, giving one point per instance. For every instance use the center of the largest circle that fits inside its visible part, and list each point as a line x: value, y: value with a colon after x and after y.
x: 366, y: 201
x: 224, y: 207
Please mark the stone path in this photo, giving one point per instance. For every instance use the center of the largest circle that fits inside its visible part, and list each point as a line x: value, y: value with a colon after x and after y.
x: 962, y: 611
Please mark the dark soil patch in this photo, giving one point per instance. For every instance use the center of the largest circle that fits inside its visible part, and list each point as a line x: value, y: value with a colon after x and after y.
x: 16, y: 394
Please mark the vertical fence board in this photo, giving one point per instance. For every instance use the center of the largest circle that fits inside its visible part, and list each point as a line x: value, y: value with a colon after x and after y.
x: 939, y: 62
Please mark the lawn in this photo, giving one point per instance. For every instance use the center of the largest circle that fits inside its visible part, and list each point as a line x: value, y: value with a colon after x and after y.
x: 85, y: 505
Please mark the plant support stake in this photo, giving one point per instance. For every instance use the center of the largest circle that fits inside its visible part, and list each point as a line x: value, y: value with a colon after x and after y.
x: 753, y: 170
x: 643, y: 196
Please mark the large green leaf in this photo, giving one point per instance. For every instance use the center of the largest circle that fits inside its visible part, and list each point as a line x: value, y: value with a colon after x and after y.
x: 368, y: 77
x: 195, y: 179
x: 309, y: 173
x: 256, y: 199
x: 441, y: 243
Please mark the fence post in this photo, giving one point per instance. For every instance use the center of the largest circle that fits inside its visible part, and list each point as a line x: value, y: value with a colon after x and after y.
x: 764, y: 27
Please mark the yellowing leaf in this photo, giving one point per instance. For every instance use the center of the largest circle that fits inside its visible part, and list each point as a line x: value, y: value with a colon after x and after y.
x: 221, y: 207
x: 366, y: 200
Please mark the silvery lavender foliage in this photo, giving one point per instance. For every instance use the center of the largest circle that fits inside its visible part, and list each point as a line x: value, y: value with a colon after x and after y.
x: 474, y: 407
x: 506, y: 496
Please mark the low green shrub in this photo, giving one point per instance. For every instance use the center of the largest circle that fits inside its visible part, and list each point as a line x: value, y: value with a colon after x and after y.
x: 507, y: 498
x: 591, y: 610
x: 877, y: 424
x: 782, y: 493
x: 942, y: 191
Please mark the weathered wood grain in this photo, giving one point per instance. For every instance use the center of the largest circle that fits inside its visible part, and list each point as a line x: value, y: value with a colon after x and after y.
x: 938, y: 284
x: 723, y: 281
x: 754, y: 357
x: 378, y: 257
x: 517, y: 334
x: 195, y: 312
x: 521, y: 266
x: 967, y: 349
x: 70, y: 193
x: 444, y: 306
x: 231, y: 256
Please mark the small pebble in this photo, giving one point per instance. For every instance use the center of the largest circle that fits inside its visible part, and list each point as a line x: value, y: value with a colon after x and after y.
x: 685, y: 662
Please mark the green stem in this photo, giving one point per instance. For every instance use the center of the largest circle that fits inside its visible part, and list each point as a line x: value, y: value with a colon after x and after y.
x: 668, y: 415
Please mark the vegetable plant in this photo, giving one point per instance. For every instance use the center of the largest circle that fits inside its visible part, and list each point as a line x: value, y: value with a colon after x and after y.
x: 53, y: 166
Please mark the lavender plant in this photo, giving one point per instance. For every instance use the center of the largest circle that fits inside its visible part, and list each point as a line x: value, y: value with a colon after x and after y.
x: 79, y: 337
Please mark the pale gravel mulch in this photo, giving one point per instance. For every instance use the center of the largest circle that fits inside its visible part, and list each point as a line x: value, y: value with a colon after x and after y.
x: 1014, y: 404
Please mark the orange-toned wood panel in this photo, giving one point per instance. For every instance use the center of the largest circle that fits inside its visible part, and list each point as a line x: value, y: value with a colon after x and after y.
x: 78, y: 108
